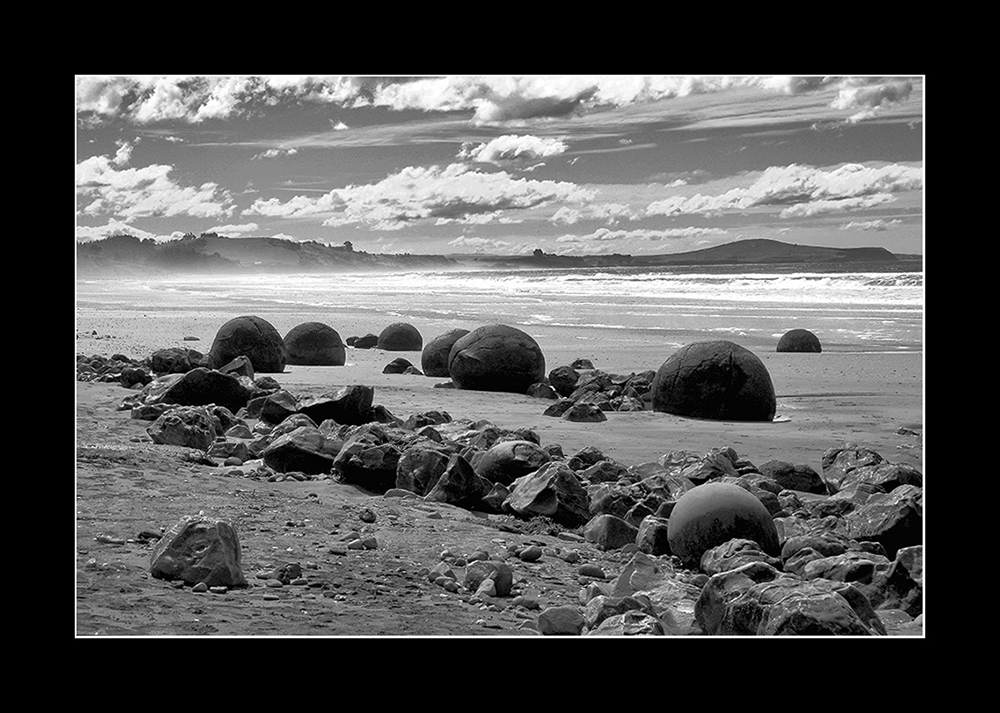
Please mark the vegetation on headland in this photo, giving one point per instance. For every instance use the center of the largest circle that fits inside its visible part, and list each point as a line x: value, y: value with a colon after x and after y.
x: 212, y: 253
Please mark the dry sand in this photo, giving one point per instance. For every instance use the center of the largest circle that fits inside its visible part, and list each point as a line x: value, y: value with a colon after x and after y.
x: 125, y: 485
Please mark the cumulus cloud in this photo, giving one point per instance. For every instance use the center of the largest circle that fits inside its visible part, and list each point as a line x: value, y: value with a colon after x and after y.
x: 454, y: 192
x: 131, y: 193
x: 609, y: 212
x: 237, y: 230
x: 878, y: 225
x: 339, y: 126
x: 604, y: 234
x: 276, y: 152
x: 86, y: 233
x: 124, y: 153
x: 511, y: 150
x: 804, y: 189
x: 490, y: 99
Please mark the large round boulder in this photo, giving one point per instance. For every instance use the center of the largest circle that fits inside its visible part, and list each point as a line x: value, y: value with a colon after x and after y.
x: 434, y: 358
x: 252, y: 337
x: 315, y: 344
x: 496, y: 357
x: 400, y: 337
x: 716, y: 380
x: 799, y: 340
x: 713, y: 513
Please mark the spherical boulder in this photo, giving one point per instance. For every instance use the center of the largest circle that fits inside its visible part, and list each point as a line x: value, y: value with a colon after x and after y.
x: 799, y: 340
x: 400, y: 337
x: 434, y: 358
x: 315, y: 344
x: 713, y: 513
x: 496, y: 357
x: 252, y: 337
x: 716, y: 380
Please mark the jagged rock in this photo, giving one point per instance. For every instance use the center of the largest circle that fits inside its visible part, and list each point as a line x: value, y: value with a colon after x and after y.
x: 305, y: 449
x: 881, y: 478
x: 188, y: 426
x: 496, y: 357
x: 838, y: 462
x: 584, y: 413
x: 902, y: 585
x: 238, y: 366
x: 542, y: 391
x: 611, y: 499
x: 177, y: 360
x: 400, y: 337
x: 608, y: 532
x: 558, y: 408
x: 794, y: 477
x: 799, y: 340
x: 348, y: 405
x: 278, y: 406
x: 369, y: 460
x: 508, y: 460
x: 563, y: 379
x: 434, y: 358
x: 758, y: 600
x: 420, y: 467
x: 196, y: 550
x: 197, y: 387
x: 604, y: 471
x: 426, y: 418
x: 229, y: 449
x: 315, y: 344
x: 253, y: 337
x: 500, y: 573
x: 653, y: 536
x: 894, y: 520
x: 603, y: 607
x: 717, y: 380
x: 733, y: 554
x: 582, y: 364
x: 630, y: 623
x: 713, y: 513
x: 561, y: 621
x: 553, y: 491
x: 459, y: 485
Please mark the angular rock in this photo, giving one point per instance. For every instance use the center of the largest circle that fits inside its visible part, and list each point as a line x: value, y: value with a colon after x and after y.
x: 553, y: 491
x: 734, y: 554
x: 196, y: 550
x: 278, y: 406
x: 500, y: 573
x: 603, y: 607
x: 177, y: 360
x: 894, y: 520
x: 459, y: 485
x: 187, y: 426
x: 348, y: 405
x: 902, y: 585
x: 608, y: 532
x: 838, y: 462
x: 305, y: 449
x: 630, y: 623
x: 507, y: 461
x: 198, y: 387
x: 561, y: 621
x: 369, y: 461
x: 584, y: 413
x: 563, y: 379
x: 653, y: 537
x: 794, y: 477
x: 419, y: 468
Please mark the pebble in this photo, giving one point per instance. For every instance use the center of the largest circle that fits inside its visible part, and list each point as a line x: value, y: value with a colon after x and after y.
x: 530, y: 554
x: 218, y: 590
x: 591, y: 570
x: 299, y: 581
x: 369, y: 543
x: 366, y: 515
x: 355, y: 545
x: 200, y: 587
x: 271, y: 597
x: 273, y: 583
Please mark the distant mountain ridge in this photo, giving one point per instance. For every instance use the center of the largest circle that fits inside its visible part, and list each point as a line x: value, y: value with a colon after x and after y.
x: 212, y: 253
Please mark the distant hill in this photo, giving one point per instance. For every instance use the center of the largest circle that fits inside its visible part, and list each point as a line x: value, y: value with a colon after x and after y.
x: 211, y: 253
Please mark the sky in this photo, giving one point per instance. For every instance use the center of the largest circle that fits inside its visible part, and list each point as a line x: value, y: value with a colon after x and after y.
x: 504, y: 164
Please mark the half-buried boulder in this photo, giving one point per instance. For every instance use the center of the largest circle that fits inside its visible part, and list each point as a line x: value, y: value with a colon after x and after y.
x: 315, y: 344
x: 400, y: 337
x: 799, y: 340
x: 252, y: 337
x: 496, y: 357
x: 717, y: 380
x: 434, y: 358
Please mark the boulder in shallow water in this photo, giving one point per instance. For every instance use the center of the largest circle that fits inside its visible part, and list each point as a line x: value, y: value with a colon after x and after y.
x: 799, y: 340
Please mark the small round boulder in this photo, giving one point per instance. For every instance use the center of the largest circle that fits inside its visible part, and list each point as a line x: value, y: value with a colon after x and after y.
x: 713, y: 513
x: 315, y: 344
x: 717, y: 380
x: 400, y: 337
x: 507, y: 461
x: 496, y: 357
x: 252, y: 337
x: 799, y: 340
x: 434, y: 358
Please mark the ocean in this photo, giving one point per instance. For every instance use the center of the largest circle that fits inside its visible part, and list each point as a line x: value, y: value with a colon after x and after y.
x: 851, y: 308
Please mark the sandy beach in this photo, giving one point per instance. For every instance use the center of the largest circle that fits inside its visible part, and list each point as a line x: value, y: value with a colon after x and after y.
x: 126, y: 485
